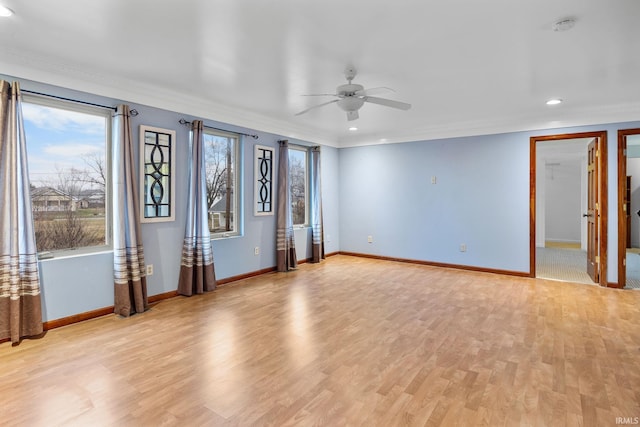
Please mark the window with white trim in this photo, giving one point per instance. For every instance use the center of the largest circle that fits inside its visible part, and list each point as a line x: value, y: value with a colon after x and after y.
x: 299, y: 184
x: 68, y: 159
x: 221, y: 156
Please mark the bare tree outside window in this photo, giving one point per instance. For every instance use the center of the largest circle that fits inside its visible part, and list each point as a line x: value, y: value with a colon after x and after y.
x: 220, y: 157
x: 95, y: 172
x: 68, y: 176
x: 298, y: 185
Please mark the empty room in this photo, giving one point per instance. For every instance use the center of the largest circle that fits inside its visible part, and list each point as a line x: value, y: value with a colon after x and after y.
x: 304, y: 213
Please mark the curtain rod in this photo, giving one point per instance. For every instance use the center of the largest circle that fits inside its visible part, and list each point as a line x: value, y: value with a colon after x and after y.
x: 77, y: 101
x: 185, y: 122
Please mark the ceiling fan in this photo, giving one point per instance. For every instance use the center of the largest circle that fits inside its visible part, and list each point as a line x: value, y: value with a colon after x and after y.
x: 351, y: 96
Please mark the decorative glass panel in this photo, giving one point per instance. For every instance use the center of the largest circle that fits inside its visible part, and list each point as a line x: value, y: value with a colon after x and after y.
x: 157, y: 153
x: 263, y: 175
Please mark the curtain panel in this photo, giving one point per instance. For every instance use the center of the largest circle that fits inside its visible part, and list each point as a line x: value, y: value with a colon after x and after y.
x: 317, y: 231
x: 130, y: 283
x: 286, y: 258
x: 20, y: 300
x: 197, y: 273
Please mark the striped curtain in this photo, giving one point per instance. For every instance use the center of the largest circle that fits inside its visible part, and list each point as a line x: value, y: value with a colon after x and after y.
x: 20, y: 305
x: 197, y: 274
x: 317, y: 239
x: 286, y: 258
x: 128, y: 254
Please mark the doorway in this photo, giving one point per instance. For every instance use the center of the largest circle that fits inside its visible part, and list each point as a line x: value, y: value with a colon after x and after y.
x: 588, y: 216
x: 629, y: 208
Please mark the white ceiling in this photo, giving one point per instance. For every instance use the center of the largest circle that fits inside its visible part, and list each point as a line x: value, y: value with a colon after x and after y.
x: 467, y: 66
x: 564, y: 152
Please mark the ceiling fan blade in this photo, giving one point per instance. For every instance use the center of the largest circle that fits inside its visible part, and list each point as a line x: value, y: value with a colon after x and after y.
x: 387, y: 102
x: 320, y: 94
x: 316, y: 106
x: 374, y: 91
x: 352, y: 115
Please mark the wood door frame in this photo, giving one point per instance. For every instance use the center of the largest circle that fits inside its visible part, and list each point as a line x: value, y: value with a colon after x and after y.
x: 622, y: 223
x: 604, y: 217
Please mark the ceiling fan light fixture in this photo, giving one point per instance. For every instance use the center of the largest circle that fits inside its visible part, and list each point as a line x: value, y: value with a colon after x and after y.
x: 353, y: 128
x: 554, y: 101
x: 350, y: 103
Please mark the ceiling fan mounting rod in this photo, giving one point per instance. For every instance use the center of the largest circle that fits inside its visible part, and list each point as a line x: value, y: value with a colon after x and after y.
x: 350, y: 73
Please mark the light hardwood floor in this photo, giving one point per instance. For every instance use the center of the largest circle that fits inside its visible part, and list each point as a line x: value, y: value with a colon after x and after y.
x: 351, y: 341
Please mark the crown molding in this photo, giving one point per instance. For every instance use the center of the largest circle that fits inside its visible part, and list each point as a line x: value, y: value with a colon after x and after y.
x: 603, y: 115
x: 49, y: 71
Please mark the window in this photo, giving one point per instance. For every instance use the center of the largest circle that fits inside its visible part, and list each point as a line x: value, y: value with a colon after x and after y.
x: 298, y: 185
x: 221, y: 156
x: 67, y: 147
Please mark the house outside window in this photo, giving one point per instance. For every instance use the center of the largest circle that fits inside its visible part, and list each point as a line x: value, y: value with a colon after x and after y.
x: 221, y: 155
x: 67, y: 150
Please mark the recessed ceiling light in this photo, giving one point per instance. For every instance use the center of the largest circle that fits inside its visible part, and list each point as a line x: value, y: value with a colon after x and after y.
x: 554, y: 101
x: 5, y: 11
x: 353, y: 128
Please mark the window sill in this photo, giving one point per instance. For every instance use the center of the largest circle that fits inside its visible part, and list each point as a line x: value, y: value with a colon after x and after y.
x: 52, y: 256
x: 223, y: 236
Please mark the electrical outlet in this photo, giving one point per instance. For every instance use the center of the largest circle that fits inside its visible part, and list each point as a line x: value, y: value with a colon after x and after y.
x: 370, y: 239
x: 434, y: 180
x: 463, y: 247
x: 328, y: 238
x: 256, y: 250
x: 149, y: 269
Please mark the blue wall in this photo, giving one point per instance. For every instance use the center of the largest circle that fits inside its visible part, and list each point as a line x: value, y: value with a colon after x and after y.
x: 481, y: 199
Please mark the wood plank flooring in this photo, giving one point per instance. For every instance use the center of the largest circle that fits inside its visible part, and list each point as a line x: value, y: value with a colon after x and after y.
x: 351, y: 341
